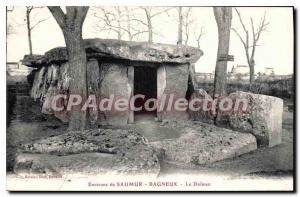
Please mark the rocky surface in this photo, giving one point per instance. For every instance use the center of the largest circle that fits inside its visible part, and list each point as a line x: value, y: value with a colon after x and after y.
x: 204, y: 114
x: 53, y: 80
x: 260, y: 115
x: 262, y: 118
x: 88, y: 163
x: 126, y: 153
x: 269, y: 160
x: 48, y: 82
x: 202, y: 143
x: 124, y: 50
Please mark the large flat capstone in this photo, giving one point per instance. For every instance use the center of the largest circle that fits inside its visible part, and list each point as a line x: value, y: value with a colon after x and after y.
x: 101, y: 151
x: 119, y: 49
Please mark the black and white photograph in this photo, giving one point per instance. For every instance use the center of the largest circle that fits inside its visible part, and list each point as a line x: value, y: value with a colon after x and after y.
x: 150, y: 98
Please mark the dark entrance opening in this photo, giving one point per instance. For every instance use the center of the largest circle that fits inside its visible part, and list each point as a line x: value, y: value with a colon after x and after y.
x: 145, y: 83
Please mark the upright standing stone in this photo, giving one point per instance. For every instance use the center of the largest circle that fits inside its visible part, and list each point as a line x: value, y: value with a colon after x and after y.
x: 130, y: 73
x: 172, y: 82
x: 93, y: 83
x: 161, y: 86
x: 115, y: 83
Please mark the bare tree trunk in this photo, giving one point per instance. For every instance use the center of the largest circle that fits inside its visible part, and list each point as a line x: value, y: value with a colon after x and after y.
x: 150, y: 38
x: 29, y: 30
x: 180, y: 18
x: 119, y: 24
x: 128, y: 25
x: 256, y: 32
x: 78, y: 77
x: 150, y: 28
x: 223, y: 16
x: 198, y: 44
x: 71, y: 24
x: 119, y: 33
x: 251, y: 67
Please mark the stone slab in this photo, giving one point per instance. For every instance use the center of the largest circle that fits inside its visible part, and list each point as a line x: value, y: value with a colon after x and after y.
x: 204, y: 144
x: 115, y: 82
x: 126, y: 152
x: 120, y: 49
x: 173, y: 83
x: 262, y: 118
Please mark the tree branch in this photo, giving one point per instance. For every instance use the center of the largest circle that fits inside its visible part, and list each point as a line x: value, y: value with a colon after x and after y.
x: 58, y: 15
x: 37, y: 23
x: 241, y: 20
x: 140, y: 21
x: 108, y: 23
x: 240, y: 37
x: 158, y: 13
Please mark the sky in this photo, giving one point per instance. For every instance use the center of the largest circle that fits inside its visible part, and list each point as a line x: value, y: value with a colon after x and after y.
x: 275, y: 45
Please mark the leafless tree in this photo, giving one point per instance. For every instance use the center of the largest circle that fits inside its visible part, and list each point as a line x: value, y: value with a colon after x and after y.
x: 150, y: 13
x: 71, y: 24
x: 185, y: 23
x: 198, y: 33
x: 129, y: 24
x: 250, y: 40
x: 223, y: 16
x: 180, y: 22
x: 117, y: 19
x: 109, y: 20
x: 31, y: 26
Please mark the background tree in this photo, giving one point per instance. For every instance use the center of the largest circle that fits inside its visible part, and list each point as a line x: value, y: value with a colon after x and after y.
x: 150, y: 13
x: 117, y: 19
x: 185, y: 21
x: 180, y: 22
x: 250, y: 40
x: 71, y: 24
x: 109, y: 20
x: 223, y: 16
x: 31, y: 26
x: 198, y: 33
